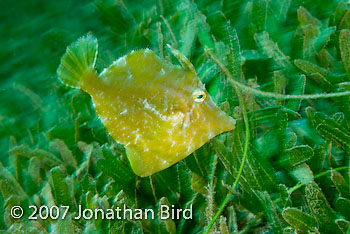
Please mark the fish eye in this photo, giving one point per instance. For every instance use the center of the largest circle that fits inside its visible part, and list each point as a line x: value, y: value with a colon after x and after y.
x: 199, y: 95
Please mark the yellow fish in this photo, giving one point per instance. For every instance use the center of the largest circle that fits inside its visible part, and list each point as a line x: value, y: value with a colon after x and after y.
x: 158, y: 111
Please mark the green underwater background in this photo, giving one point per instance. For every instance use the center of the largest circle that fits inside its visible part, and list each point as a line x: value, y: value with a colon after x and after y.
x: 54, y: 150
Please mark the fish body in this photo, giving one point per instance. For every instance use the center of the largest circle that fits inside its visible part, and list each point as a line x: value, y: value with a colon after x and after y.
x: 158, y: 111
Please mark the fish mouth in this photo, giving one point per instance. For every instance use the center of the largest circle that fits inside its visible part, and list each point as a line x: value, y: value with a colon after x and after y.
x: 210, y: 117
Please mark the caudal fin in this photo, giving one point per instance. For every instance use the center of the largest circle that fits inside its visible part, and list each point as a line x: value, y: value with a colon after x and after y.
x: 78, y: 61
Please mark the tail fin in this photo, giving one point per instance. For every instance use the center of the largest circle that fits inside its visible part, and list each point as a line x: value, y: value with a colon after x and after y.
x: 79, y: 59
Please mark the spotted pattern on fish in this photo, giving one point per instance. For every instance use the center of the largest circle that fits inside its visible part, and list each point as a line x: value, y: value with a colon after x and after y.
x: 158, y: 111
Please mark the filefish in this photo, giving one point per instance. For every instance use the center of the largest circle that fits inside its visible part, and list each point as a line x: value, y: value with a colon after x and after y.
x: 160, y: 112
